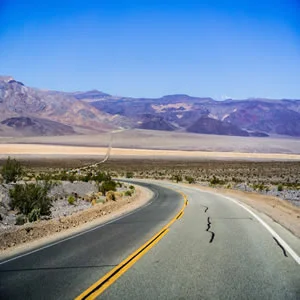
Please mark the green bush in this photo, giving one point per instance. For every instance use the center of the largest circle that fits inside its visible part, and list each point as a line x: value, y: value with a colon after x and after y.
x: 128, y: 193
x: 129, y: 174
x: 177, y: 178
x: 280, y: 188
x: 132, y: 187
x: 71, y: 200
x: 190, y: 179
x: 27, y: 197
x: 21, y: 219
x: 34, y: 215
x: 11, y: 170
x: 101, y: 176
x: 107, y: 186
x: 216, y: 180
x: 72, y: 178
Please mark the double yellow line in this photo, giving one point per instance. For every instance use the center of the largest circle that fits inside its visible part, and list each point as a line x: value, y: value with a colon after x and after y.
x: 103, y: 283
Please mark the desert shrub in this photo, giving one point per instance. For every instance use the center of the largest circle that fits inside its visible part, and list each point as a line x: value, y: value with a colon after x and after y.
x: 177, y: 178
x: 21, y: 219
x: 129, y: 174
x: 107, y: 186
x: 72, y: 178
x: 132, y: 187
x: 63, y: 176
x: 101, y: 176
x: 26, y: 197
x: 110, y: 196
x: 280, y: 188
x: 128, y: 193
x: 190, y: 179
x: 34, y: 215
x: 85, y: 178
x: 258, y: 186
x: 11, y: 170
x: 215, y: 180
x: 71, y: 200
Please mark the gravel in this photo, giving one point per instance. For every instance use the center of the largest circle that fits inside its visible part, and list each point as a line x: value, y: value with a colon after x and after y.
x: 60, y: 207
x: 66, y: 188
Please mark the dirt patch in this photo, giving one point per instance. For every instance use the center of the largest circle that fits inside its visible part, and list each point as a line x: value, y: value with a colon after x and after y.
x: 33, y: 235
x: 279, y: 210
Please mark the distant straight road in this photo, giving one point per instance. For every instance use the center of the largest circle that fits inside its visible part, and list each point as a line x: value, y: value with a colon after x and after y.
x: 215, y: 250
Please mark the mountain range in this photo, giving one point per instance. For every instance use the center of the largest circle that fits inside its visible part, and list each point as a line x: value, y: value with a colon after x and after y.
x: 30, y: 111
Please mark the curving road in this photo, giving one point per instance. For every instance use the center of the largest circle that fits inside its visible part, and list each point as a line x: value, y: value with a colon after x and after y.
x: 214, y: 250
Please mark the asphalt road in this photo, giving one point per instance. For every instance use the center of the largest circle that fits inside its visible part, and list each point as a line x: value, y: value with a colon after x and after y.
x: 66, y: 269
x: 216, y: 250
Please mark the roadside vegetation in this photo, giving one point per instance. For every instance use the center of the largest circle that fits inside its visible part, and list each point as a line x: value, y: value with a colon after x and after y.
x: 11, y: 170
x: 31, y: 194
x: 280, y: 179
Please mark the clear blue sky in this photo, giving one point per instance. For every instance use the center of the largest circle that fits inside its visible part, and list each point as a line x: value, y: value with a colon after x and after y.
x: 214, y: 48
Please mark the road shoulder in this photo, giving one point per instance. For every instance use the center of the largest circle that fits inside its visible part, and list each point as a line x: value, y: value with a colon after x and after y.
x: 50, y: 232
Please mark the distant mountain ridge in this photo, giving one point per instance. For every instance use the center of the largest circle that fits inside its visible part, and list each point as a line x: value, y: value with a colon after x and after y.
x: 31, y: 111
x: 257, y: 116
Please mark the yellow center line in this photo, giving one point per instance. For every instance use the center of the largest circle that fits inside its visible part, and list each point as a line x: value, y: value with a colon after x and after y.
x: 104, y: 282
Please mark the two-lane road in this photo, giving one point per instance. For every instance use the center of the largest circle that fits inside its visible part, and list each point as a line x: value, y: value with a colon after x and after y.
x: 215, y: 250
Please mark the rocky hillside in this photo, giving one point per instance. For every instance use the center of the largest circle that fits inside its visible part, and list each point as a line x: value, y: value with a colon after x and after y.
x: 30, y: 111
x: 250, y: 117
x: 37, y: 112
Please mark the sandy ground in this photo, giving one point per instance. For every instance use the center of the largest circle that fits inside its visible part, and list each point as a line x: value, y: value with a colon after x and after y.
x: 279, y: 210
x: 161, y: 140
x: 56, y: 150
x: 38, y: 234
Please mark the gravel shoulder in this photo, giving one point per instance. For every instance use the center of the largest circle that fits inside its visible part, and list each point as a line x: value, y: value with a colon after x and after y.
x: 35, y: 235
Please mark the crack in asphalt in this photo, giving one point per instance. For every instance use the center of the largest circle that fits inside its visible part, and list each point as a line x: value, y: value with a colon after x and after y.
x: 206, y: 208
x: 208, y: 230
x: 282, y: 248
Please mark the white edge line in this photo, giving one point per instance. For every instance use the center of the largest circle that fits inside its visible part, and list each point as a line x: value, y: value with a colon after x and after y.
x: 274, y: 234
x: 76, y: 235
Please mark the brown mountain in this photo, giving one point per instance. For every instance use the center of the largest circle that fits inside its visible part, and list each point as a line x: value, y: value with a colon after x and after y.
x: 26, y: 110
x: 30, y: 109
